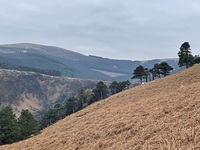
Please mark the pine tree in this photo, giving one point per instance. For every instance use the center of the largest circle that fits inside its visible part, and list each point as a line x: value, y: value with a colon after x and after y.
x: 72, y: 105
x: 28, y: 124
x: 9, y: 129
x: 114, y: 87
x: 100, y: 91
x: 165, y: 68
x: 185, y: 56
x: 139, y: 72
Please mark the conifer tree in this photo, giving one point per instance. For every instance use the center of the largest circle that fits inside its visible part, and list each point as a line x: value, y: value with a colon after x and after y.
x: 139, y: 72
x: 100, y: 91
x: 9, y: 129
x: 165, y: 68
x: 28, y: 124
x: 185, y: 56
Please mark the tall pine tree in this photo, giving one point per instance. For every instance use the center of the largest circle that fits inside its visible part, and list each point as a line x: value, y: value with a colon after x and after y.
x: 9, y: 129
x: 28, y: 124
x: 185, y: 56
x: 139, y: 73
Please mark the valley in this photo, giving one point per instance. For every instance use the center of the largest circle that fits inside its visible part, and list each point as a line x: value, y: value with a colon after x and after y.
x: 162, y: 114
x: 37, y: 92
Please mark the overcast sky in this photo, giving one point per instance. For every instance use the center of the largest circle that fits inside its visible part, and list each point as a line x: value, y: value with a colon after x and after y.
x: 120, y: 29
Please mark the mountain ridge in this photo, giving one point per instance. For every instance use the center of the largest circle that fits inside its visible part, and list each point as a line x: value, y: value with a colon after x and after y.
x: 72, y: 64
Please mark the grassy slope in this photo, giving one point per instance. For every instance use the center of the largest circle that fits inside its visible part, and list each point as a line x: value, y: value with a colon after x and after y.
x: 164, y: 114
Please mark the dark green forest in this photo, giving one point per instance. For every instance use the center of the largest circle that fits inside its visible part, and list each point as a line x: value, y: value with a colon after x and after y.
x: 24, y: 68
x: 13, y: 129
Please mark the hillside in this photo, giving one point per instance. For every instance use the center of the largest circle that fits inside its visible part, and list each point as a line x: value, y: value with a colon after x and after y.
x: 163, y: 114
x: 37, y: 92
x: 72, y: 64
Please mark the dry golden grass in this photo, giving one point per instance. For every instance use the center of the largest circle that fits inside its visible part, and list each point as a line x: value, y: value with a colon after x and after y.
x: 160, y: 115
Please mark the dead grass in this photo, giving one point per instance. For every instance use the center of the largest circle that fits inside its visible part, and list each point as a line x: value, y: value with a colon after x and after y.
x: 161, y: 115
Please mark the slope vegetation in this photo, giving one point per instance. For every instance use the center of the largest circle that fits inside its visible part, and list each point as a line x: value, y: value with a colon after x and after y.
x: 163, y: 114
x: 37, y: 92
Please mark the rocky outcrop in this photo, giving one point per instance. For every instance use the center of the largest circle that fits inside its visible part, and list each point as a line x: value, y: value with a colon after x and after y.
x: 37, y: 92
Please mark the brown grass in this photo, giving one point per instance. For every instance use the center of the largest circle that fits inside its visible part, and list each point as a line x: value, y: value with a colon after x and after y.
x: 161, y: 115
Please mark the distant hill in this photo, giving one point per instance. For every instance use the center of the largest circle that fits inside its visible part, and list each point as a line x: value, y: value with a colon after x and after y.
x: 162, y: 114
x: 37, y: 92
x: 72, y: 64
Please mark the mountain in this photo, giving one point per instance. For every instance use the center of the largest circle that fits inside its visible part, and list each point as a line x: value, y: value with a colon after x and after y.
x: 72, y: 64
x: 162, y: 114
x: 37, y: 92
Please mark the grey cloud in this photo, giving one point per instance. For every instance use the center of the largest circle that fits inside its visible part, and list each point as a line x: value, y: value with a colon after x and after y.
x: 131, y: 29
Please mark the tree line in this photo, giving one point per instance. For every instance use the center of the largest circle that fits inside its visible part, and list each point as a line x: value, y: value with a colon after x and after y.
x: 13, y: 129
x: 82, y: 99
x: 159, y: 70
x: 163, y: 69
x: 24, y: 68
